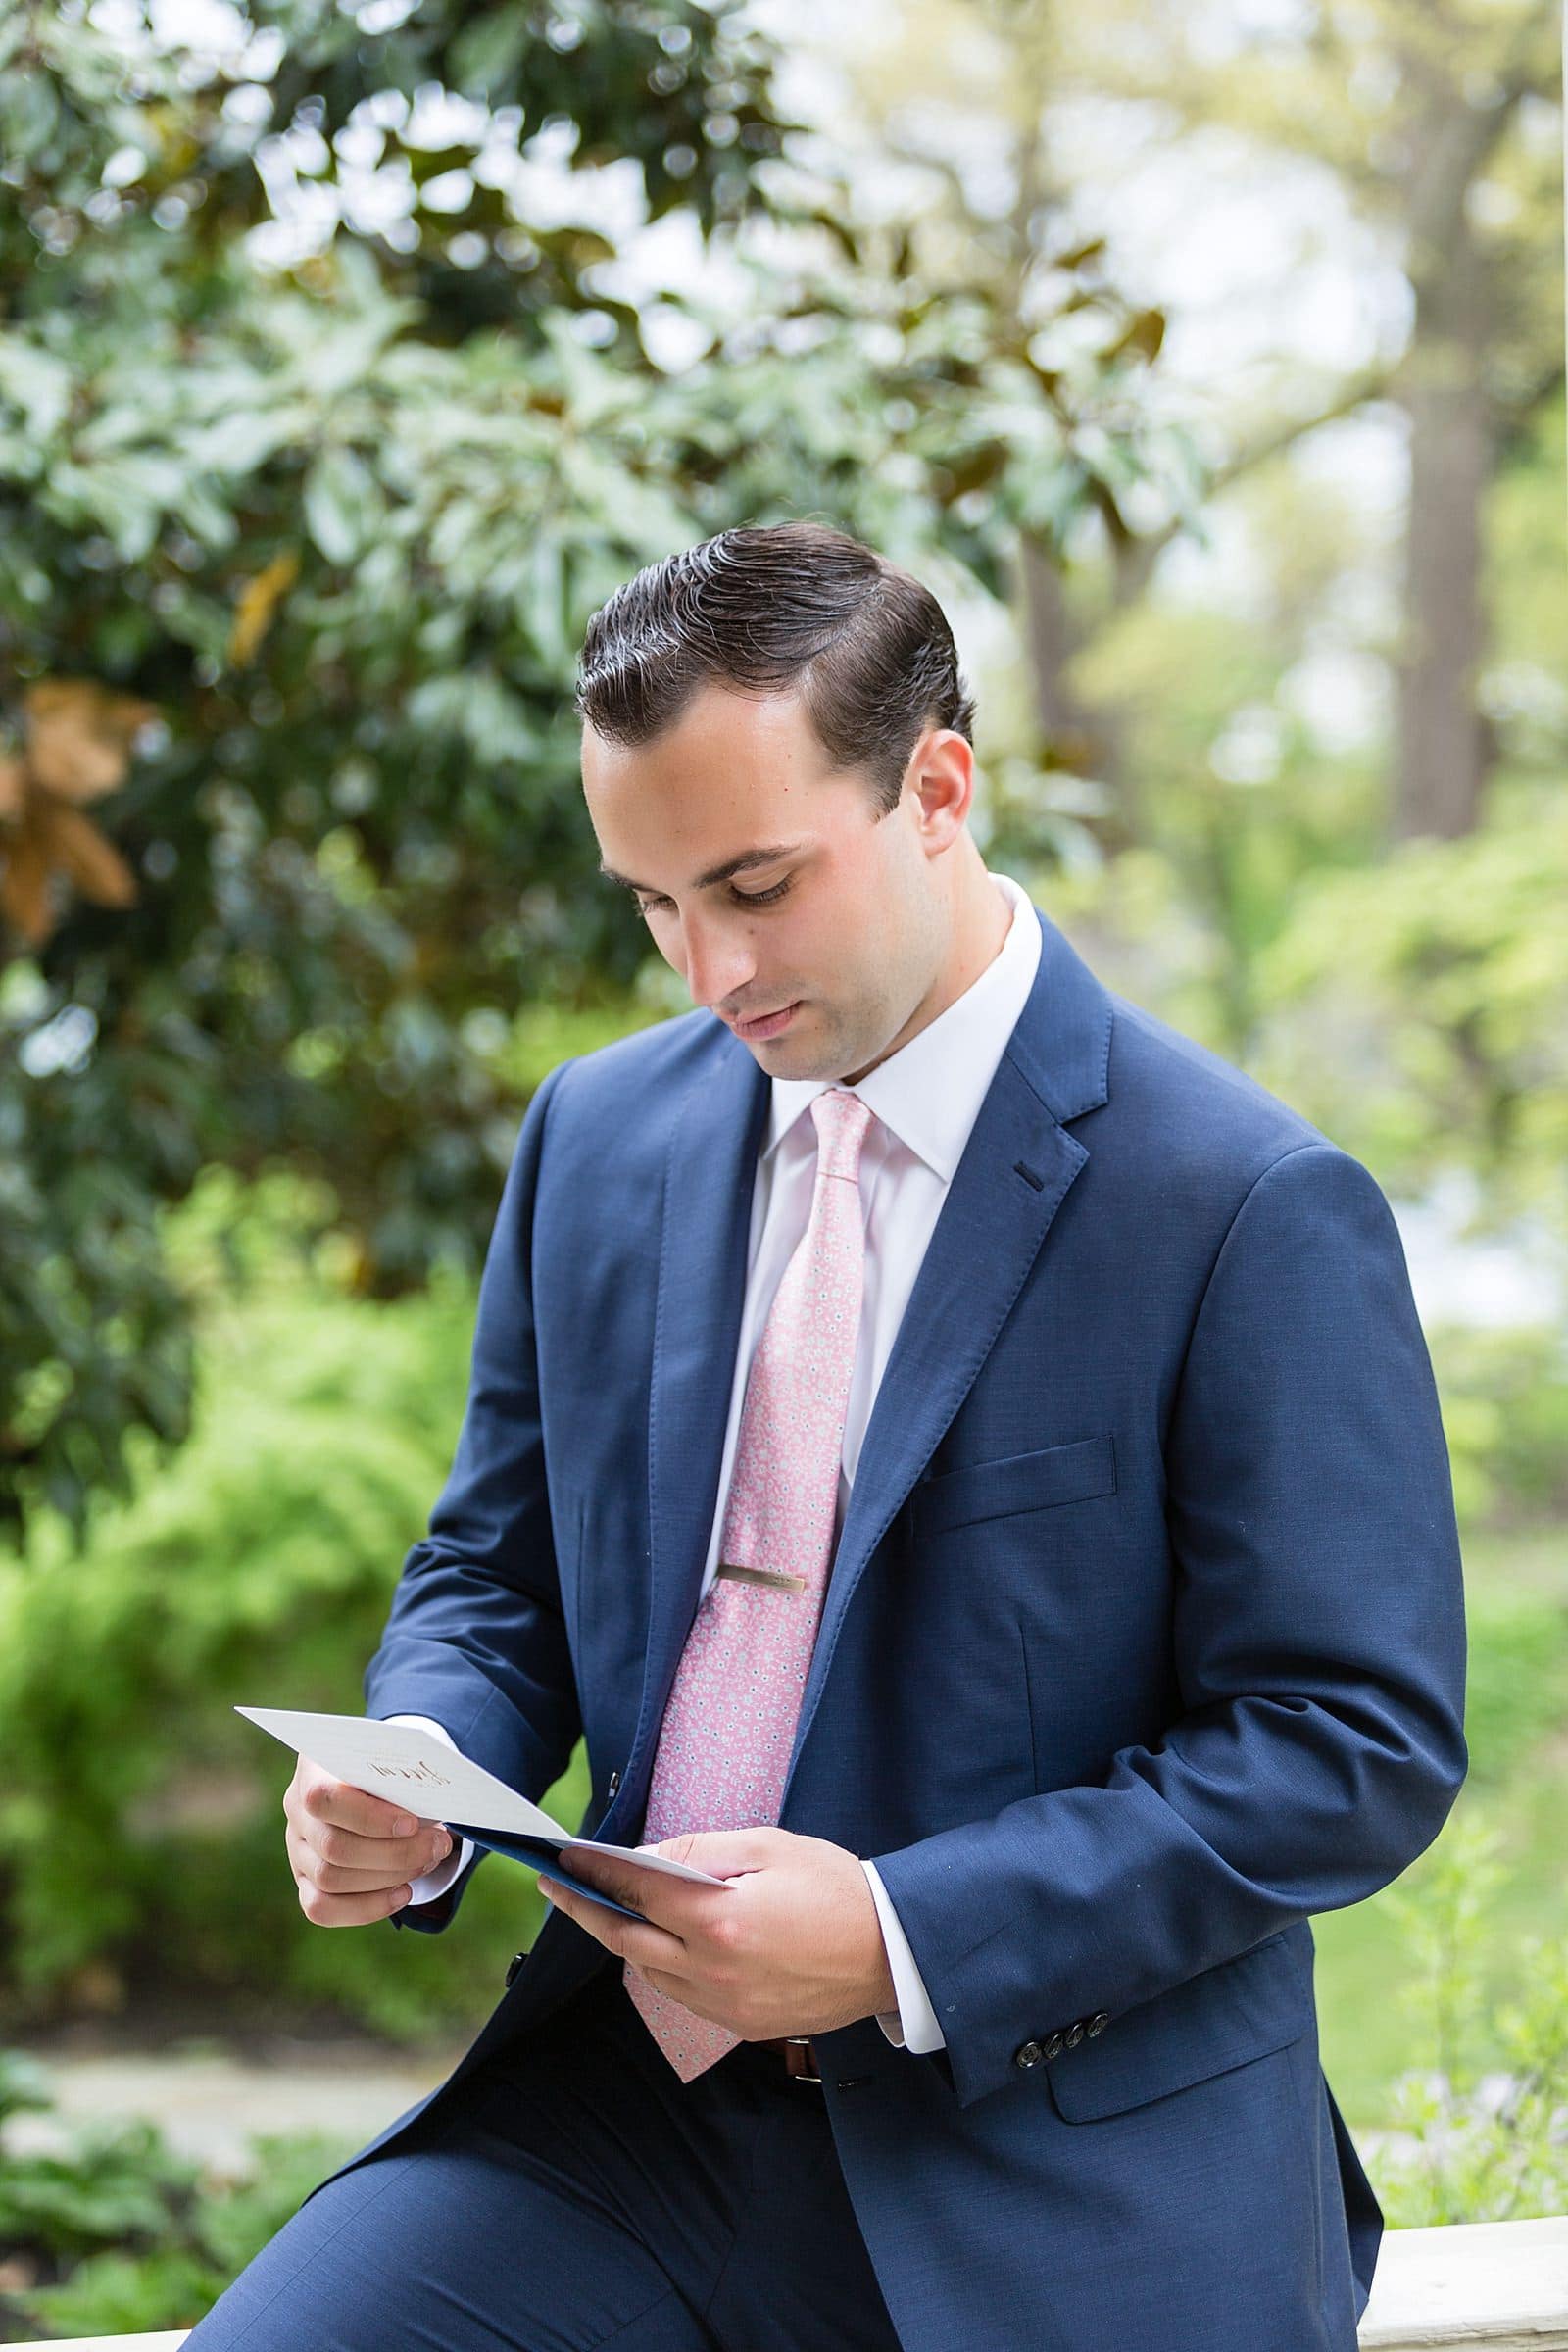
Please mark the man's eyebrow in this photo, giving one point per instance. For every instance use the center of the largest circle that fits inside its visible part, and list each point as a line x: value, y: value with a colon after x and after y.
x: 716, y: 873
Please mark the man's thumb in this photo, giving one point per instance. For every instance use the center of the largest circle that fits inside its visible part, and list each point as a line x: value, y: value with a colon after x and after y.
x: 722, y: 1853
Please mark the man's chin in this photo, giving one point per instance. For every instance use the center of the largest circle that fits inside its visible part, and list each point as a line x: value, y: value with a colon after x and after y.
x: 781, y: 1060
x: 790, y: 1056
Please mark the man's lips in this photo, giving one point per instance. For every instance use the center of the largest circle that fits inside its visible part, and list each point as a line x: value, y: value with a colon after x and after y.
x: 759, y: 1023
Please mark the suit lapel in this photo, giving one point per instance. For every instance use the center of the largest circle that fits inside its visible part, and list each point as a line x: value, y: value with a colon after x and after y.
x: 984, y: 1240
x: 1016, y: 1172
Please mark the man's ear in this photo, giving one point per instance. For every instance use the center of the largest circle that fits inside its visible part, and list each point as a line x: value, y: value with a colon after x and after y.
x: 941, y: 774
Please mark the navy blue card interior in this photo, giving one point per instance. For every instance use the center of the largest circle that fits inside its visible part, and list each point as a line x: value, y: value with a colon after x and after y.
x: 539, y: 1854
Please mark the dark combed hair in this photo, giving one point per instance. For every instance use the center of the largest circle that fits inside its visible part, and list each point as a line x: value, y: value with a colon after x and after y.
x: 779, y: 606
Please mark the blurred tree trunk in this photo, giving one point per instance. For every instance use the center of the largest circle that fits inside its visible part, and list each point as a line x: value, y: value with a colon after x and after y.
x: 1443, y: 749
x: 1414, y: 109
x: 1083, y: 737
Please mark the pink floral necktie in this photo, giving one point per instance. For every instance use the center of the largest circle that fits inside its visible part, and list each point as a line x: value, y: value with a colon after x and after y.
x: 729, y: 1725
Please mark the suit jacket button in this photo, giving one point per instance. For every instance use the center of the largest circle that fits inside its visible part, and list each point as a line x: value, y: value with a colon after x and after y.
x: 1053, y: 2046
x: 512, y: 1966
x: 1097, y: 2024
x: 1028, y: 2053
x: 1074, y: 2034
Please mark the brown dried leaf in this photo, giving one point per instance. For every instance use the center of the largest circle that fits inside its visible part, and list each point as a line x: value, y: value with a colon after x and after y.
x: 74, y: 843
x: 25, y: 886
x: 257, y: 603
x: 79, y: 734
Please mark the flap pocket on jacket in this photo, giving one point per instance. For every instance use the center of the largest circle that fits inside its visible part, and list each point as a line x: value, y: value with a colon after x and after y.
x: 1018, y: 1482
x: 1243, y: 2009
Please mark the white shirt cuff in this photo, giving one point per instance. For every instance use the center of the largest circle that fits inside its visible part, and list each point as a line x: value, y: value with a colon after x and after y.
x: 912, y: 2026
x: 433, y: 1882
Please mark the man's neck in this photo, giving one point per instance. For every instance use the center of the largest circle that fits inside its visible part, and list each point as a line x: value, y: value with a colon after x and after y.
x: 987, y: 920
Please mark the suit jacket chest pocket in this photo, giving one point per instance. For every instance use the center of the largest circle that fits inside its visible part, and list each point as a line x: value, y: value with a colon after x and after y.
x: 993, y: 1555
x: 1039, y: 1481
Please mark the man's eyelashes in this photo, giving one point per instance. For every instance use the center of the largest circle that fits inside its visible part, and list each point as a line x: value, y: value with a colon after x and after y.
x: 738, y: 897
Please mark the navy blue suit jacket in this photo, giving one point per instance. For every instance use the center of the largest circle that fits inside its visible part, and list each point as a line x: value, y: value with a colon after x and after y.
x: 1143, y: 1641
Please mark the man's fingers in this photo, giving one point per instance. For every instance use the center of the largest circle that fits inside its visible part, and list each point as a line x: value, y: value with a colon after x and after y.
x: 329, y: 1800
x: 325, y: 1910
x: 722, y: 1853
x: 604, y: 1926
x: 354, y: 1857
x: 393, y: 1857
x: 609, y: 1880
x: 678, y: 1904
x: 335, y: 1878
x: 376, y: 1870
x: 638, y: 1940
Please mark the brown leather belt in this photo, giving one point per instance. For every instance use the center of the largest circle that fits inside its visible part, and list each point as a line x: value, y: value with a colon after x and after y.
x: 797, y: 2055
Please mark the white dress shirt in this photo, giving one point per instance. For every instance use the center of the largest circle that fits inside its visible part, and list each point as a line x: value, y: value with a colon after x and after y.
x: 924, y: 1099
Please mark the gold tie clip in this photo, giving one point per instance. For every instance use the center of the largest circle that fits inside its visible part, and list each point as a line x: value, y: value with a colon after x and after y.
x: 771, y: 1578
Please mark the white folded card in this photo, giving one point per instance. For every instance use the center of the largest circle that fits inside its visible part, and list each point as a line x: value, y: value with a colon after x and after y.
x: 404, y: 1764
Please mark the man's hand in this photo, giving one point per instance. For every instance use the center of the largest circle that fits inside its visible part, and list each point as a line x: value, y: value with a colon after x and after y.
x: 789, y: 1944
x: 354, y: 1857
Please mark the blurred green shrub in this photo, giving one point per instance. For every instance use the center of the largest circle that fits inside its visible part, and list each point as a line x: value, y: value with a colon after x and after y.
x: 140, y: 1820
x: 120, y: 2232
x: 1506, y: 1415
x: 1480, y: 2133
x: 1417, y: 1009
x: 1517, y: 1680
x: 545, y: 1034
x: 109, y: 2188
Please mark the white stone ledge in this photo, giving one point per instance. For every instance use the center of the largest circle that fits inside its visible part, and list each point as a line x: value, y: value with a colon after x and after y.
x: 108, y: 2343
x: 1496, y: 2286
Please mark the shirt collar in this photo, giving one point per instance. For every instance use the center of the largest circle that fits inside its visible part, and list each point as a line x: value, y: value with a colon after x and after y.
x: 929, y: 1092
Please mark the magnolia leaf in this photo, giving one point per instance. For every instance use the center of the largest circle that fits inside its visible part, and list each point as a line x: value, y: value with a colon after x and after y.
x: 79, y: 734
x: 238, y: 439
x: 125, y: 494
x: 37, y: 381
x: 543, y: 602
x: 340, y: 356
x: 30, y: 109
x: 343, y: 505
x: 488, y: 52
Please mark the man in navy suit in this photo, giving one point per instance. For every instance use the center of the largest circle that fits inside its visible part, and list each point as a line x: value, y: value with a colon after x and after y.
x: 1142, y: 1638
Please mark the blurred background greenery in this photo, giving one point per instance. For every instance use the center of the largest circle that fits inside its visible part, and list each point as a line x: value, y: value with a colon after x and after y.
x: 1208, y: 360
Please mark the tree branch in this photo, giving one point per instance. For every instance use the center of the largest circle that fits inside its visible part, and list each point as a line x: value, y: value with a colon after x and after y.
x: 1144, y: 550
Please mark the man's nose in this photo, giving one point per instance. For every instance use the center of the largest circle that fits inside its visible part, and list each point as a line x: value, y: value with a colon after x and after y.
x: 720, y: 964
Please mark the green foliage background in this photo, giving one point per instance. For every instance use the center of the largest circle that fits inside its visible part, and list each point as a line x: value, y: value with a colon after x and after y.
x: 141, y: 1825
x: 335, y: 533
